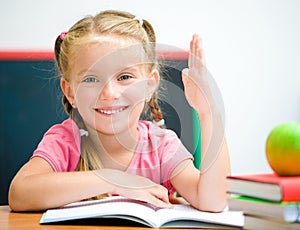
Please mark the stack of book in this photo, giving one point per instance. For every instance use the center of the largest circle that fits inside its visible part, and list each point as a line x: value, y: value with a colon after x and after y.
x: 268, y: 201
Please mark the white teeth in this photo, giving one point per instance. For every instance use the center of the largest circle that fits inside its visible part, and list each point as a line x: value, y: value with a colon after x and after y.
x: 109, y: 112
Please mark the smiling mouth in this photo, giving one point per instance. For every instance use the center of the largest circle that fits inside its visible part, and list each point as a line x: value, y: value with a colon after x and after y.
x: 110, y: 111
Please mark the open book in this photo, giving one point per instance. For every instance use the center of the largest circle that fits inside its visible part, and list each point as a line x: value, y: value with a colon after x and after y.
x: 180, y: 216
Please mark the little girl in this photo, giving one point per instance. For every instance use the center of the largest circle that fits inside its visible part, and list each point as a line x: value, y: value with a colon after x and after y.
x: 109, y: 76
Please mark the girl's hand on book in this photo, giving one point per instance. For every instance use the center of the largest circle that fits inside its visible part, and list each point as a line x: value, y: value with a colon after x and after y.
x: 154, y: 194
x: 195, y: 78
x: 135, y: 187
x: 141, y: 188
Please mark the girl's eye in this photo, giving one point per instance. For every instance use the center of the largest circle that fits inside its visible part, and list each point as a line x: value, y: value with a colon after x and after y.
x: 90, y: 80
x: 124, y: 77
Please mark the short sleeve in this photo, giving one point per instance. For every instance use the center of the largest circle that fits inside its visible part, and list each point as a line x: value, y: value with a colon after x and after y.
x: 60, y: 146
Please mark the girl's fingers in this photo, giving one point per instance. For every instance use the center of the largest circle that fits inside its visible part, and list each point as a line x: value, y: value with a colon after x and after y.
x: 158, y: 196
x: 200, y: 53
x: 196, y: 56
x: 193, y: 48
x: 161, y: 201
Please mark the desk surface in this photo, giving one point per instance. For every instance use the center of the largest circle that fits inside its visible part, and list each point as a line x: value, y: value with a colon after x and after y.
x: 16, y: 221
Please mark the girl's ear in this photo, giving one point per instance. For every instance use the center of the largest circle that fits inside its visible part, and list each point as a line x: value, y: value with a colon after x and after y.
x: 66, y: 88
x: 155, y: 75
x: 152, y: 83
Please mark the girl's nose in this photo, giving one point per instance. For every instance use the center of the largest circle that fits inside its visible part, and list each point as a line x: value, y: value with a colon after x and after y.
x: 109, y: 92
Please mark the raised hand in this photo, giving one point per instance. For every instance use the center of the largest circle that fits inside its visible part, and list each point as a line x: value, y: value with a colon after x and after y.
x: 194, y: 78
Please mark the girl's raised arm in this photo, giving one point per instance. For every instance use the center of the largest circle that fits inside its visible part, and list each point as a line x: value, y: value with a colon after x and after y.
x: 206, y: 190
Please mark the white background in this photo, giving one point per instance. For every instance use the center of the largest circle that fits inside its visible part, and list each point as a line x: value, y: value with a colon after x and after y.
x: 252, y: 50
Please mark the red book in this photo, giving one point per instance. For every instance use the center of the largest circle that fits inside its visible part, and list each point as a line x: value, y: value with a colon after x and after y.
x: 267, y: 186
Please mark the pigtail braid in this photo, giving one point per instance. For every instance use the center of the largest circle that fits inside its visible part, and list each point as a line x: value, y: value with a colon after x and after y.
x: 57, y: 46
x: 68, y: 107
x: 155, y: 109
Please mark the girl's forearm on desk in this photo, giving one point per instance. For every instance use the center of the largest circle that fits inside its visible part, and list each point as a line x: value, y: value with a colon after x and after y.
x: 37, y: 187
x: 48, y: 190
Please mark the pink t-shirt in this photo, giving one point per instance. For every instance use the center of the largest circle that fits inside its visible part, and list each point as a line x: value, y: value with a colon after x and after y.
x: 158, y: 153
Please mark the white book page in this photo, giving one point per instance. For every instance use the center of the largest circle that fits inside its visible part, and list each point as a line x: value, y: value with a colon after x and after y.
x: 93, y: 209
x: 185, y: 212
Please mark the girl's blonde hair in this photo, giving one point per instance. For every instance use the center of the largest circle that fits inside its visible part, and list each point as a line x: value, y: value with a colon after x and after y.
x: 105, y: 23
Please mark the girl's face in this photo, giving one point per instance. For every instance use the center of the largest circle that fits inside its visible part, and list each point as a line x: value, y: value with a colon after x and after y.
x: 109, y: 84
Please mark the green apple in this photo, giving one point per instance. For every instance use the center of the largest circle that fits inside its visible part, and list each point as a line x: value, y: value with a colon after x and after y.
x: 283, y: 149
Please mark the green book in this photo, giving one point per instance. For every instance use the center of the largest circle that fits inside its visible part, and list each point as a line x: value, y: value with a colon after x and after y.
x: 285, y: 211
